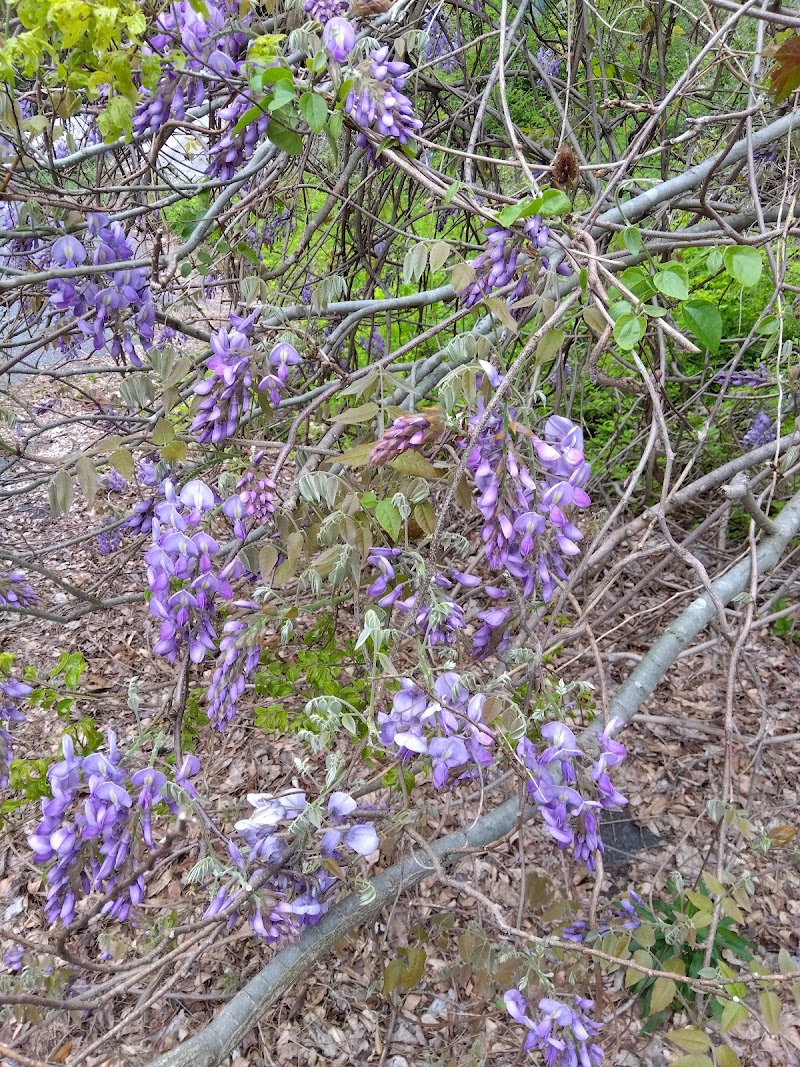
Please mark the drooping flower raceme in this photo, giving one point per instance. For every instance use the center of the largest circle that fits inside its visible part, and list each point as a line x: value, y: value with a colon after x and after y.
x: 449, y: 729
x: 410, y: 431
x: 564, y: 1034
x: 181, y: 574
x: 497, y: 265
x: 112, y: 311
x: 301, y: 896
x: 377, y: 101
x: 226, y: 393
x: 526, y: 527
x: 91, y: 827
x: 569, y: 817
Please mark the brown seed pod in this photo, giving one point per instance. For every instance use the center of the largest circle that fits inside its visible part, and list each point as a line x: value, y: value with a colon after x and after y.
x: 566, y: 172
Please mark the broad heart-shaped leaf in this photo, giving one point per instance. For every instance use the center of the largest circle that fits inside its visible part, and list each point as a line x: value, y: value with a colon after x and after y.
x: 690, y: 1039
x: 785, y: 74
x: 314, y: 110
x: 629, y: 330
x: 704, y: 321
x: 673, y: 282
x: 554, y: 202
x: 389, y: 517
x: 693, y: 1061
x: 287, y: 140
x: 663, y: 994
x: 732, y: 1013
x: 744, y: 264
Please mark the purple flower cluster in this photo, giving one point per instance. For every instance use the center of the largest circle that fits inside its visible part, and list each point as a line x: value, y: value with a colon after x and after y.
x: 408, y: 431
x: 569, y: 818
x: 180, y: 572
x: 526, y: 530
x: 239, y: 654
x: 449, y: 728
x: 282, y: 357
x: 103, y: 307
x: 323, y: 11
x: 564, y: 1034
x: 623, y: 913
x: 549, y: 62
x: 254, y: 499
x: 439, y: 618
x: 300, y: 896
x: 443, y: 40
x: 381, y: 105
x: 115, y: 482
x: 496, y: 266
x: 18, y: 252
x: 15, y: 591
x: 762, y: 430
x: 11, y: 691
x: 745, y: 378
x: 91, y: 826
x: 110, y: 540
x: 209, y: 50
x: 234, y: 149
x: 226, y: 393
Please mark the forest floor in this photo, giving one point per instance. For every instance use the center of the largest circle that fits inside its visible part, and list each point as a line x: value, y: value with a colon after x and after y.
x: 339, y: 1015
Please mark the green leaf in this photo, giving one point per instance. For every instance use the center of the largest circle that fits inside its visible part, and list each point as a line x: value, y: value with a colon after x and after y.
x: 633, y: 240
x: 703, y: 319
x: 356, y: 416
x: 554, y: 202
x: 60, y: 492
x: 389, y: 518
x: 282, y: 95
x: 122, y: 461
x: 693, y: 1061
x: 163, y: 432
x: 451, y: 193
x: 415, y: 262
x: 285, y: 139
x: 414, y: 465
x: 714, y: 260
x: 673, y: 282
x: 549, y: 345
x: 357, y: 456
x: 770, y: 1006
x: 439, y: 252
x: 314, y: 110
x: 629, y: 330
x: 174, y: 452
x: 251, y: 115
x: 690, y: 1039
x: 744, y: 264
x: 523, y: 210
x: 87, y: 478
x: 732, y: 1013
x: 663, y: 994
x: 425, y: 517
x: 726, y: 1057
